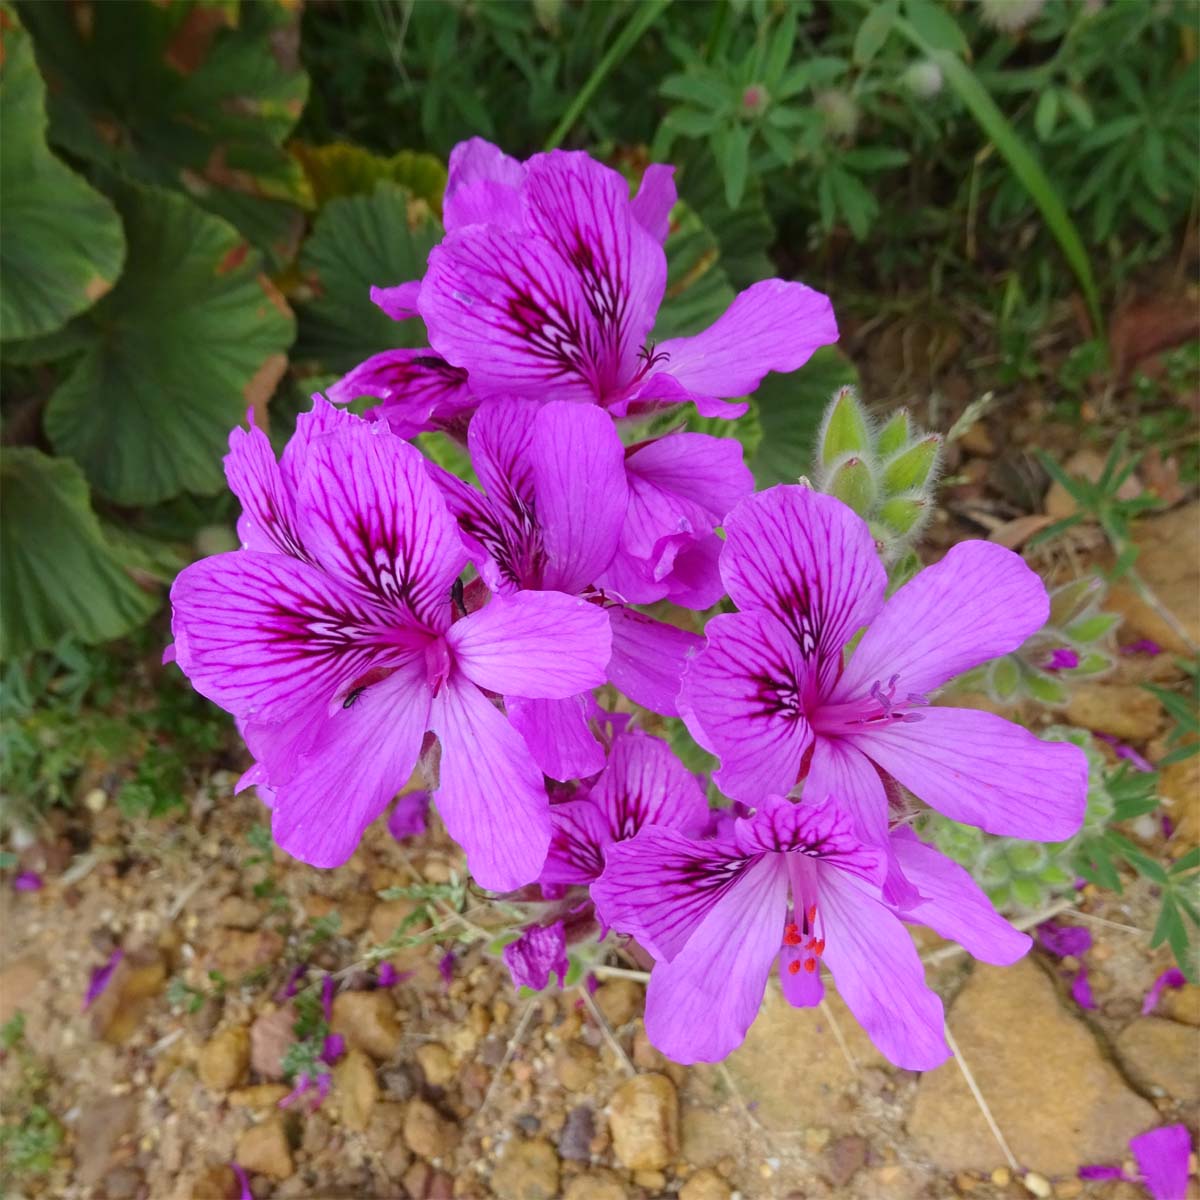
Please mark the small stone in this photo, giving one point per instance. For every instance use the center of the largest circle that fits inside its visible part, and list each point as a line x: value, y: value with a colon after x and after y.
x: 1121, y: 710
x: 271, y: 1036
x: 236, y: 912
x: 18, y: 983
x: 652, y: 1181
x: 263, y: 1150
x: 965, y: 1183
x: 644, y: 1123
x: 139, y: 977
x: 1161, y: 1056
x: 399, y: 1083
x: 1001, y: 1176
x: 103, y: 1122
x: 354, y: 1078
x: 596, y: 1185
x: 367, y: 1020
x: 844, y: 1158
x: 575, y: 1067
x: 122, y: 1183
x: 1037, y: 1185
x: 218, y: 1182
x: 260, y: 1095
x: 1183, y: 1004
x: 426, y: 1132
x: 707, y: 1137
x: 95, y: 800
x: 224, y: 1059
x: 238, y: 952
x: 386, y: 1126
x: 577, y: 1132
x: 1068, y: 1189
x: 528, y: 1171
x: 417, y: 1179
x: 436, y: 1064
x: 620, y: 1000
x: 705, y: 1185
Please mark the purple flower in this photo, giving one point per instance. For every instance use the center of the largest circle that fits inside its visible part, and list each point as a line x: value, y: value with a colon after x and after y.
x: 243, y: 1182
x: 410, y: 815
x: 318, y: 1084
x: 1171, y: 978
x: 331, y: 638
x: 1061, y: 659
x: 795, y: 886
x: 560, y: 498
x: 446, y: 966
x: 1162, y: 1157
x: 27, y: 881
x: 1064, y: 940
x: 332, y: 1048
x: 1081, y: 989
x: 547, y: 284
x: 1128, y: 753
x: 1142, y: 646
x: 387, y: 976
x: 101, y: 977
x: 292, y: 984
x: 773, y: 698
x: 541, y: 951
x: 643, y: 784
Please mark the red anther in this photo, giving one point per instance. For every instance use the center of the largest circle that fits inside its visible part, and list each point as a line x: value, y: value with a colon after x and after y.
x: 791, y: 936
x: 812, y: 913
x: 794, y: 967
x: 810, y: 965
x: 818, y: 947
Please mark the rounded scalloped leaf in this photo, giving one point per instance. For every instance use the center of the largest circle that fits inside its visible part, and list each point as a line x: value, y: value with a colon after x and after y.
x: 698, y: 290
x: 61, y: 245
x: 789, y: 411
x: 341, y: 169
x: 359, y: 242
x: 58, y: 575
x: 192, y: 95
x: 192, y: 336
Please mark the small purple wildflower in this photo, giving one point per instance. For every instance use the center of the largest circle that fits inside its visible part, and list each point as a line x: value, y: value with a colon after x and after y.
x: 1099, y: 1172
x: 1081, y: 989
x: 1171, y: 978
x: 540, y: 951
x: 101, y: 977
x: 446, y: 966
x: 1128, y: 753
x: 292, y: 984
x: 1064, y: 940
x: 1061, y: 659
x: 332, y: 1048
x: 410, y: 816
x: 1142, y: 646
x: 243, y: 1181
x: 387, y: 976
x: 27, y: 881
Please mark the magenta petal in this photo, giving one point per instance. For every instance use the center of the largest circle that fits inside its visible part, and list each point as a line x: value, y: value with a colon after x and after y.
x: 655, y: 198
x: 952, y: 903
x: 581, y: 833
x: 100, y: 977
x: 410, y: 816
x: 1099, y: 1172
x: 399, y: 302
x: 558, y: 736
x: 500, y: 439
x: 801, y: 988
x: 701, y: 1003
x: 1064, y: 940
x: 373, y: 518
x: 27, y: 881
x: 541, y: 951
x: 771, y: 326
x: 879, y: 974
x: 361, y: 757
x: 1162, y: 1157
x: 807, y: 559
x: 648, y: 658
x: 838, y: 770
x: 579, y: 483
x: 744, y: 691
x: 660, y: 885
x: 979, y: 602
x: 645, y: 784
x: 243, y: 1182
x: 268, y: 520
x: 482, y: 186
x: 982, y: 770
x: 1172, y: 978
x: 491, y: 796
x: 539, y: 645
x: 1081, y: 989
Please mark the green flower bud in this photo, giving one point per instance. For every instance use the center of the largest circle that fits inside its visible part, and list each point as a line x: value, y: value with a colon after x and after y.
x: 912, y: 469
x: 1092, y: 629
x: 1071, y: 601
x: 902, y: 514
x: 1006, y: 677
x: 895, y: 434
x: 845, y: 429
x: 853, y: 485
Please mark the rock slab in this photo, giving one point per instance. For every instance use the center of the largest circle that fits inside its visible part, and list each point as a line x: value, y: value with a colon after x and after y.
x: 643, y: 1118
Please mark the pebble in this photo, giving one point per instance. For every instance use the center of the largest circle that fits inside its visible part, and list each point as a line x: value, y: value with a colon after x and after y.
x: 263, y: 1150
x: 1183, y: 1004
x: 620, y: 1000
x: 527, y: 1171
x: 260, y: 1095
x: 575, y: 1067
x: 705, y: 1185
x: 235, y: 912
x: 436, y: 1064
x: 844, y: 1158
x: 643, y: 1119
x: 1161, y: 1055
x: 426, y: 1132
x: 357, y: 1089
x: 367, y: 1020
x: 103, y: 1123
x: 238, y: 952
x: 596, y: 1185
x: 575, y: 1140
x: 271, y: 1036
x: 224, y: 1059
x: 1037, y: 1185
x: 1121, y: 710
x: 652, y: 1181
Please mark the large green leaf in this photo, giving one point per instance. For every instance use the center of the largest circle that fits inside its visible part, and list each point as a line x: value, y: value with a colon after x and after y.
x: 61, y: 246
x: 789, y: 412
x: 698, y: 291
x: 57, y: 573
x: 193, y: 95
x: 342, y: 169
x: 190, y: 337
x: 359, y: 241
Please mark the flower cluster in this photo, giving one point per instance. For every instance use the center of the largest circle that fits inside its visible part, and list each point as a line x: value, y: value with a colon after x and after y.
x: 384, y: 616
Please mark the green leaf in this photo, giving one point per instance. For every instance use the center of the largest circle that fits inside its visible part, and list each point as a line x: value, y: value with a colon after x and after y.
x: 789, y: 412
x: 693, y: 90
x: 1092, y: 629
x: 357, y: 242
x: 341, y: 169
x: 1045, y: 116
x: 1019, y: 157
x: 873, y: 32
x: 194, y: 96
x: 936, y: 27
x: 61, y: 246
x: 59, y: 576
x: 732, y: 147
x: 698, y: 291
x: 691, y: 122
x: 192, y: 335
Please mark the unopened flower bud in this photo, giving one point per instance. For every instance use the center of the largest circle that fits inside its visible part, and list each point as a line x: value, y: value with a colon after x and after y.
x: 840, y: 113
x: 845, y: 429
x: 912, y: 470
x: 895, y: 434
x: 755, y: 99
x: 923, y: 79
x: 903, y: 514
x: 1010, y: 16
x: 852, y: 484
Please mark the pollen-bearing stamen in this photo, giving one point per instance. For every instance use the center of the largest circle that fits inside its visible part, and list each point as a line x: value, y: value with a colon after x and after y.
x: 802, y: 945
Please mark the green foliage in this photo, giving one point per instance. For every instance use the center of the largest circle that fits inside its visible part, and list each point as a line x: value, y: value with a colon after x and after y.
x: 31, y: 1137
x: 1184, y: 711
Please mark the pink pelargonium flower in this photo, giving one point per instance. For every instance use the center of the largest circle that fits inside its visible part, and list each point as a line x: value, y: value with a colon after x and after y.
x: 773, y: 698
x: 565, y: 507
x: 794, y: 886
x: 642, y: 784
x: 330, y: 637
x: 540, y: 951
x: 547, y: 284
